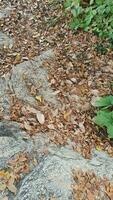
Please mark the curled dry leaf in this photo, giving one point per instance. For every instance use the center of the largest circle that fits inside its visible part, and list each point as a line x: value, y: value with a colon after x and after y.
x: 51, y: 126
x: 27, y: 126
x: 31, y: 109
x: 40, y: 117
x: 10, y: 184
x: 67, y: 114
x: 17, y: 58
x: 12, y: 188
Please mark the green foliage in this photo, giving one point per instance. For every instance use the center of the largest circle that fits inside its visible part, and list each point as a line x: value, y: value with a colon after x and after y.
x: 97, y: 16
x: 102, y: 49
x: 104, y: 117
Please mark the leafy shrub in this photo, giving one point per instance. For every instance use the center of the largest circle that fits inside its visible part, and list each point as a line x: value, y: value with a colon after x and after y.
x: 97, y: 16
x: 104, y: 117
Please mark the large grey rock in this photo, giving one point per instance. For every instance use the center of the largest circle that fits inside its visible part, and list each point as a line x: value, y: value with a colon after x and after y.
x: 12, y: 141
x: 31, y: 73
x: 24, y: 76
x: 5, y: 41
x: 53, y: 175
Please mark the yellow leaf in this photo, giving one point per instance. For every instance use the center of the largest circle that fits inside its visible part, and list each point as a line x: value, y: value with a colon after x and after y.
x: 18, y: 57
x: 2, y: 173
x: 98, y: 148
x: 67, y: 114
x: 39, y: 98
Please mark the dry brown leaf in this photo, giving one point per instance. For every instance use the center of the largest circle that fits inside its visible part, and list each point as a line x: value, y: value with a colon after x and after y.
x: 40, y: 117
x: 27, y: 126
x: 12, y: 188
x: 51, y: 126
x: 90, y: 195
x: 67, y: 114
x: 22, y: 158
x: 31, y: 109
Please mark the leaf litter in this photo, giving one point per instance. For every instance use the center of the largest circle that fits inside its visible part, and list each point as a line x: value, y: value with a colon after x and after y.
x: 78, y: 74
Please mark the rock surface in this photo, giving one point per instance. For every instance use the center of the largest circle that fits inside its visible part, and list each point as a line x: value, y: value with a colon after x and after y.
x: 53, y: 175
x: 5, y: 12
x: 12, y: 141
x: 22, y: 78
x: 5, y: 41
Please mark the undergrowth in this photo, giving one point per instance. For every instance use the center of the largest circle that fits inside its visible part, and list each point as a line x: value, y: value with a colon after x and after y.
x: 104, y: 117
x: 93, y: 15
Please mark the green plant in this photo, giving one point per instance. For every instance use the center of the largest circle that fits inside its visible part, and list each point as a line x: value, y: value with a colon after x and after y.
x: 96, y: 16
x: 101, y: 48
x: 104, y: 117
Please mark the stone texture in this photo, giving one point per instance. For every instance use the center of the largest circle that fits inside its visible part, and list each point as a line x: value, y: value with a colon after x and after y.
x: 22, y: 77
x: 12, y: 141
x: 53, y: 175
x: 5, y: 41
x: 5, y: 12
x: 31, y: 73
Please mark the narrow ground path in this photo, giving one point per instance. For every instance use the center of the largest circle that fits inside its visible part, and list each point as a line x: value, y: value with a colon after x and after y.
x: 49, y: 147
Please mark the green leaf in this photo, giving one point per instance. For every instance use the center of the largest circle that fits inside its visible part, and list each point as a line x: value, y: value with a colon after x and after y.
x: 103, y: 118
x: 75, y: 24
x: 91, y: 2
x: 99, y: 2
x: 68, y: 3
x: 110, y: 131
x: 104, y: 101
x: 76, y: 11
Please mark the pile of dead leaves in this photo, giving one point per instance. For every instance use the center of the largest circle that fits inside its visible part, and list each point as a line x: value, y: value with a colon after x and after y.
x: 17, y: 167
x: 88, y: 186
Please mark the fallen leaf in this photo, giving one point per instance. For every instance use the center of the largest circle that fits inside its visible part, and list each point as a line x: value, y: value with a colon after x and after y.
x: 67, y: 114
x: 31, y: 109
x: 51, y: 126
x: 40, y: 117
x: 17, y: 58
x: 90, y: 195
x: 2, y: 173
x: 2, y: 186
x: 98, y: 148
x: 39, y: 98
x: 12, y: 188
x: 27, y: 126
